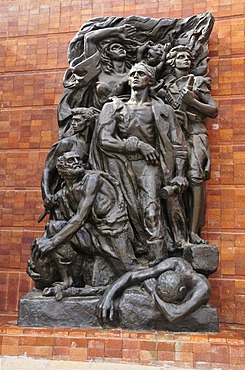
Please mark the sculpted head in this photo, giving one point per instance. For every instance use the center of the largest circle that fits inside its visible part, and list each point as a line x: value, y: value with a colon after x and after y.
x: 82, y: 118
x: 154, y: 55
x: 141, y: 75
x: 111, y: 50
x: 180, y: 57
x: 171, y: 286
x: 69, y: 165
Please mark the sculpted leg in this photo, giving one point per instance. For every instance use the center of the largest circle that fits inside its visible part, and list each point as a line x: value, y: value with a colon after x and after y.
x: 156, y: 246
x: 197, y: 212
x: 177, y: 220
x: 149, y: 181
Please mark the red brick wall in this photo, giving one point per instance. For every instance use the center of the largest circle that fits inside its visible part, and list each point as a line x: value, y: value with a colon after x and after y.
x: 34, y: 36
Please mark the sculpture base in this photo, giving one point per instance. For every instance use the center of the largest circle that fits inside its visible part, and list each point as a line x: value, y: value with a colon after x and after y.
x: 136, y: 311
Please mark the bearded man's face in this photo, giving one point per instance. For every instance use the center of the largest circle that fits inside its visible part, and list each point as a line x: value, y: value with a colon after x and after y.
x: 70, y: 166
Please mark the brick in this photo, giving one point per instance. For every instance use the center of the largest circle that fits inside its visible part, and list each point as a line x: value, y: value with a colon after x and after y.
x: 96, y: 353
x: 113, y: 352
x: 9, y: 350
x: 33, y: 61
x: 131, y: 344
x: 166, y: 355
x: 44, y: 341
x: 130, y: 355
x: 61, y: 352
x: 148, y: 345
x: 166, y: 346
x: 78, y: 354
x: 113, y: 343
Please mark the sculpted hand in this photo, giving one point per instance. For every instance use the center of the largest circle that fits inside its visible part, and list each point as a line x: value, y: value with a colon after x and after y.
x: 49, y: 202
x: 105, y: 309
x: 31, y: 271
x: 148, y: 44
x: 145, y: 47
x: 150, y: 286
x: 40, y: 247
x: 167, y: 47
x: 181, y: 182
x: 127, y: 31
x: 188, y: 96
x: 149, y: 153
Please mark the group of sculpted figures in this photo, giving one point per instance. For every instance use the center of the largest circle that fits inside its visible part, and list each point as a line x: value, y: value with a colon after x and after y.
x: 124, y: 186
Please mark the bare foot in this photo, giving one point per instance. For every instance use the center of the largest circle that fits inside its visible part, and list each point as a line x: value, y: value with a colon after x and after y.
x: 49, y: 291
x: 196, y: 239
x: 56, y: 290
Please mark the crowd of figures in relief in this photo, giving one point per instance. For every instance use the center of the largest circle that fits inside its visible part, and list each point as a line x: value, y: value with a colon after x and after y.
x: 124, y: 186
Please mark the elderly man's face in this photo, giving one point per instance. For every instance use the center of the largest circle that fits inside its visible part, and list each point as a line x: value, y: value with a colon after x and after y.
x: 72, y: 160
x: 70, y: 166
x: 138, y: 79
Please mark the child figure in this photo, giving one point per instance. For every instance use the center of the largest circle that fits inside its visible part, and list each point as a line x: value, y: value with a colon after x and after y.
x: 154, y: 55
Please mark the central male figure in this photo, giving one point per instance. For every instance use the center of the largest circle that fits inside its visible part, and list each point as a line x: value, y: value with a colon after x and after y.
x: 139, y: 143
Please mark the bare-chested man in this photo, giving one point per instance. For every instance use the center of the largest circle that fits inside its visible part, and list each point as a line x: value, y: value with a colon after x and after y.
x: 93, y: 220
x: 140, y: 143
x: 176, y: 288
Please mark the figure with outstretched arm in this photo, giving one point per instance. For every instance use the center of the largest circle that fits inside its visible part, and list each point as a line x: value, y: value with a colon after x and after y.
x: 98, y: 73
x: 176, y: 288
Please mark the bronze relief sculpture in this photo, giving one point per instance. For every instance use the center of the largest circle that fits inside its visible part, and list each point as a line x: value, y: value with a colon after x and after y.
x: 124, y: 186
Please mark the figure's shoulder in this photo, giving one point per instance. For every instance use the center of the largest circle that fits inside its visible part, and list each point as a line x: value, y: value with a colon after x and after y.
x: 91, y: 175
x: 68, y: 141
x: 119, y: 102
x: 113, y: 104
x: 89, y: 181
x: 202, y: 84
x: 112, y: 107
x: 159, y: 105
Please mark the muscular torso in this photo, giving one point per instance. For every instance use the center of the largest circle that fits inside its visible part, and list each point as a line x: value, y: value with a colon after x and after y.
x: 102, y: 203
x: 140, y: 123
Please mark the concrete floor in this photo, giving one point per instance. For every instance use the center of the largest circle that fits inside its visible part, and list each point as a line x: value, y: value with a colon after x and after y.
x: 25, y: 363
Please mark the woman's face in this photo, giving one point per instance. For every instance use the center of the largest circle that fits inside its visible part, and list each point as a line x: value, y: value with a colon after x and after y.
x: 183, y: 60
x: 117, y: 52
